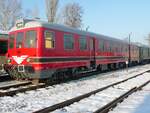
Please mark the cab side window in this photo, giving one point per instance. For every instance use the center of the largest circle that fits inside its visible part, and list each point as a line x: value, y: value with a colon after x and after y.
x: 101, y: 45
x: 49, y: 39
x: 19, y: 40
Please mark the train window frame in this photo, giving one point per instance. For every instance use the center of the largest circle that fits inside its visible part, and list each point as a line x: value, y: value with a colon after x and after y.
x: 53, y: 40
x: 86, y: 44
x: 12, y: 42
x: 109, y: 46
x: 73, y: 42
x: 25, y: 44
x: 105, y: 46
x: 101, y: 45
x: 20, y: 43
x: 112, y: 47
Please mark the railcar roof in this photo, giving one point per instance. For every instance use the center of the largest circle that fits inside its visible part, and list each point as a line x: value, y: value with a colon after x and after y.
x: 39, y: 23
x: 142, y: 45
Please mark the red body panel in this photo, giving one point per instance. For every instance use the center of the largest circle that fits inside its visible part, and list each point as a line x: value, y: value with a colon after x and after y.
x: 59, y: 58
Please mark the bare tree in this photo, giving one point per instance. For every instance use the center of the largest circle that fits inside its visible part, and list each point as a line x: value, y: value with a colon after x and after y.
x: 72, y: 15
x: 35, y: 12
x: 10, y: 10
x: 51, y: 10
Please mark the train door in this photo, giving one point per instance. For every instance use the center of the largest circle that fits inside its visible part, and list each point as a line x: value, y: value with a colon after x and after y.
x: 92, y: 53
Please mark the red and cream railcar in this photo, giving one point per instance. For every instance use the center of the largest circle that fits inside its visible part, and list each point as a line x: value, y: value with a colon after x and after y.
x: 42, y: 50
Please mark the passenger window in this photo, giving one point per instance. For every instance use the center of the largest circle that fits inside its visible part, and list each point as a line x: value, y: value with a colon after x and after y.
x: 30, y: 41
x: 109, y: 47
x: 19, y: 40
x: 49, y: 39
x: 101, y: 45
x: 68, y: 41
x: 11, y: 41
x: 83, y: 43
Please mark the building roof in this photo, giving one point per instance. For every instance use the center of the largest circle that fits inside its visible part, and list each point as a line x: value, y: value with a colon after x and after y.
x: 3, y: 32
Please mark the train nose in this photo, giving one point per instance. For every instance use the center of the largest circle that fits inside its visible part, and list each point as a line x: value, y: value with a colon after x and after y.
x: 20, y: 59
x: 21, y: 68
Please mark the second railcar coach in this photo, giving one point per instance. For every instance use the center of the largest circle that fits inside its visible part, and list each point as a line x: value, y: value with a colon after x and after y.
x: 3, y: 48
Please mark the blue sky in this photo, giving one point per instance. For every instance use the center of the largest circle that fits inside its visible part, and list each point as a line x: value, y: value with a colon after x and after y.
x: 116, y: 18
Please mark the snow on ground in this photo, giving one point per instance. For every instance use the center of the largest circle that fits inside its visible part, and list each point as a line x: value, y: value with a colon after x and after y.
x: 138, y: 102
x: 34, y: 100
x: 137, y: 82
x: 89, y: 105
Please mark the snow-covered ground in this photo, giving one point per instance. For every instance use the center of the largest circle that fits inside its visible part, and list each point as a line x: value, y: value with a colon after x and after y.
x: 138, y: 102
x: 94, y: 102
x: 44, y: 97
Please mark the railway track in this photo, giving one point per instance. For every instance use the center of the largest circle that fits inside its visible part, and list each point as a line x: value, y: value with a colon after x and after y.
x: 113, y: 104
x: 4, y: 77
x: 73, y: 103
x: 11, y: 90
x: 14, y: 88
x: 137, y: 102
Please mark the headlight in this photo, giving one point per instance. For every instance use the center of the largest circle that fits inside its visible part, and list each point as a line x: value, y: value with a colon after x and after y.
x: 28, y: 59
x: 9, y: 60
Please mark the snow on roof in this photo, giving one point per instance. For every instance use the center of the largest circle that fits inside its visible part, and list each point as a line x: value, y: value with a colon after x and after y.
x: 141, y: 45
x: 3, y: 32
x: 26, y: 23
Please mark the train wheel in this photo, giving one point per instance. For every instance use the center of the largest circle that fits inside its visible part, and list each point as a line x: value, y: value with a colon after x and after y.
x: 99, y: 68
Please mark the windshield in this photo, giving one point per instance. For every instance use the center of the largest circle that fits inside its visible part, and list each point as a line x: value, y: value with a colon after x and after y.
x: 30, y: 41
x: 23, y: 39
x: 19, y: 40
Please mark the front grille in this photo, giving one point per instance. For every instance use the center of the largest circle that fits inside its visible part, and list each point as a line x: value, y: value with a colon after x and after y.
x: 21, y: 68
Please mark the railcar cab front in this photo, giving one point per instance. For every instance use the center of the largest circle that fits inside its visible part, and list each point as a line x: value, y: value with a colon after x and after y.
x: 22, y: 46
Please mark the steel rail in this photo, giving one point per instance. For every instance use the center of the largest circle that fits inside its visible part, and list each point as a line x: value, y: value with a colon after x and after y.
x: 15, y: 85
x: 20, y: 90
x: 4, y: 78
x: 113, y: 104
x: 76, y: 99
